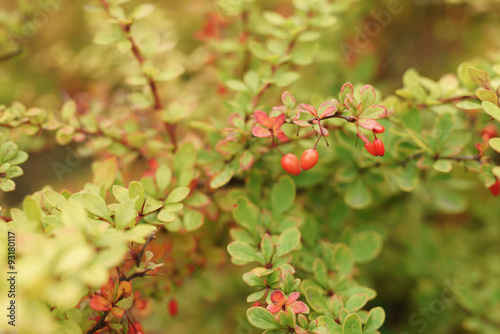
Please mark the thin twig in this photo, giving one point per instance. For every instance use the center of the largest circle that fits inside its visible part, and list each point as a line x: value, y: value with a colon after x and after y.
x: 152, y: 84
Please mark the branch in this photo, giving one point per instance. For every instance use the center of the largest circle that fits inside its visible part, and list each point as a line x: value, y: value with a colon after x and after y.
x: 11, y: 54
x: 152, y: 84
x: 100, y: 324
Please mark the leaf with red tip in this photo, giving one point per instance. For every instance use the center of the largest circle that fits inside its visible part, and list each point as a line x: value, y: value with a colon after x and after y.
x: 310, y: 109
x: 261, y: 132
x: 375, y: 111
x: 367, y: 96
x: 288, y: 99
x: 229, y: 147
x: 246, y: 160
x: 99, y: 303
x: 346, y: 89
x: 302, y: 122
x: 117, y: 312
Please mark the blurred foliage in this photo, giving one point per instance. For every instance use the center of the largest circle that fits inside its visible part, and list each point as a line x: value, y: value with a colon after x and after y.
x: 142, y: 167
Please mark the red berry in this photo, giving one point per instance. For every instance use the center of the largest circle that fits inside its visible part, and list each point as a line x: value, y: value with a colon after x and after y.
x: 309, y: 159
x: 378, y: 129
x: 172, y: 307
x: 379, y: 147
x: 290, y: 164
x: 495, y: 188
x: 369, y: 147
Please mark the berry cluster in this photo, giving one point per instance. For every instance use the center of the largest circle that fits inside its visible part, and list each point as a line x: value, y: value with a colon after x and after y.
x: 308, y: 160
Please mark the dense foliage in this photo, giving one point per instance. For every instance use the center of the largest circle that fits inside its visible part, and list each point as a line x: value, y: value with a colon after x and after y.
x: 247, y: 166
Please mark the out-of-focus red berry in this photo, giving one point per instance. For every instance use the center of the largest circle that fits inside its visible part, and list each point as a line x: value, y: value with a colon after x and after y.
x: 290, y: 164
x: 309, y: 159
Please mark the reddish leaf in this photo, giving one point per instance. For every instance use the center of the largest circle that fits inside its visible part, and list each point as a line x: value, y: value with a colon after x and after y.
x: 99, y: 303
x: 281, y: 135
x: 124, y: 290
x: 261, y: 132
x: 262, y: 118
x: 310, y: 109
x: 108, y: 290
x: 117, y: 312
x: 278, y: 121
x: 375, y: 111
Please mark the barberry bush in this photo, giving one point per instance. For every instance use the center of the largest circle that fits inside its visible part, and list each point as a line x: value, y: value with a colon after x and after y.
x: 247, y: 166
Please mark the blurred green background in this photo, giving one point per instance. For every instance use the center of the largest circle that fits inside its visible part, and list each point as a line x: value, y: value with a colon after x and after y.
x: 426, y: 252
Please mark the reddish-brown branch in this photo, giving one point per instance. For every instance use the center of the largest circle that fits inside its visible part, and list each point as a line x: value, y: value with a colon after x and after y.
x: 151, y: 83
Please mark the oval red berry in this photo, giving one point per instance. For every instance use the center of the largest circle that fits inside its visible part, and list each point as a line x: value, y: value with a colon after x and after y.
x: 309, y: 159
x: 495, y: 188
x: 172, y: 307
x: 378, y: 146
x: 369, y: 147
x: 378, y: 129
x: 290, y: 164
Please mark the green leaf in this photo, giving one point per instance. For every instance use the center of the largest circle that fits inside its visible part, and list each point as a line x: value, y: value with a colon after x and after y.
x: 125, y: 215
x: 286, y: 78
x: 358, y: 196
x: 121, y: 193
x: 258, y: 50
x: 246, y: 213
x: 96, y: 205
x: 469, y: 105
x: 487, y: 95
x: 68, y: 110
x: 442, y: 165
x: 243, y: 252
x: 479, y: 77
x: 352, y: 325
x: 333, y: 327
x: 236, y: 85
x: 107, y: 37
x: 166, y: 216
x: 356, y: 302
x: 376, y: 318
x: 163, y: 176
x: 222, y: 177
x: 193, y: 220
x: 142, y: 11
x: 105, y: 172
x: 343, y: 258
x: 266, y: 246
x: 135, y: 190
x: 55, y: 199
x: 177, y: 195
x: 492, y: 109
x: 316, y: 300
x: 495, y: 144
x: 274, y: 18
x: 32, y: 208
x: 367, y: 96
x: 283, y: 194
x: 287, y: 241
x: 366, y: 246
x: 448, y: 201
x: 262, y: 318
